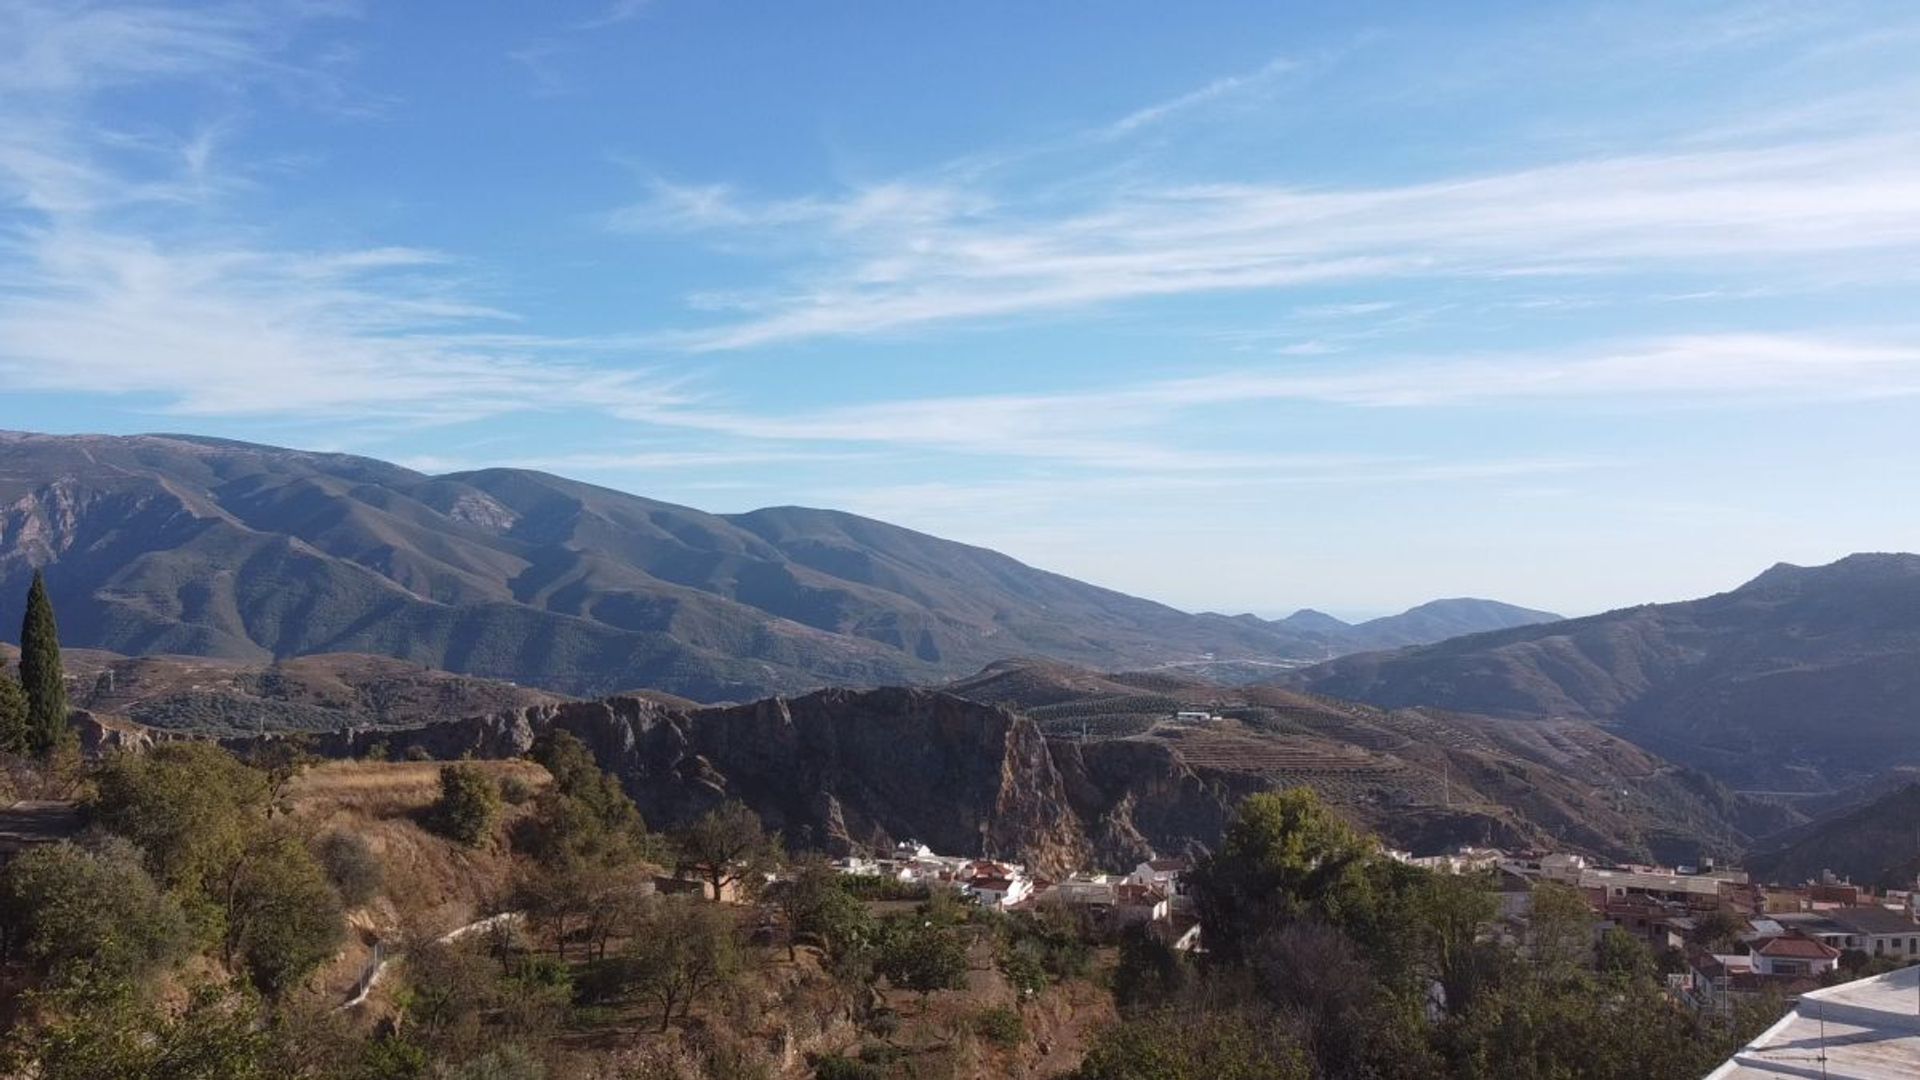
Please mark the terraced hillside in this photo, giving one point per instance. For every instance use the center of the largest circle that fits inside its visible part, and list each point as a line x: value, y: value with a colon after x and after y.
x: 311, y: 693
x: 1425, y: 778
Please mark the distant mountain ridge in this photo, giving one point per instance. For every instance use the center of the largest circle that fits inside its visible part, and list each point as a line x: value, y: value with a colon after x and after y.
x: 1435, y: 620
x: 1804, y: 678
x: 208, y: 547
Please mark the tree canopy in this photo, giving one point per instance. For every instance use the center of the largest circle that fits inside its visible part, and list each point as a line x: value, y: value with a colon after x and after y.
x: 88, y: 918
x: 816, y: 906
x: 1192, y: 1046
x: 190, y: 807
x: 685, y: 952
x: 725, y: 845
x: 922, y: 957
x: 1285, y: 856
x: 584, y: 816
x: 283, y: 918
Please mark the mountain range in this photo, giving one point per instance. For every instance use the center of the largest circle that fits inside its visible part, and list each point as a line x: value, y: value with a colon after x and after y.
x: 173, y: 544
x: 1435, y: 620
x: 1802, y: 679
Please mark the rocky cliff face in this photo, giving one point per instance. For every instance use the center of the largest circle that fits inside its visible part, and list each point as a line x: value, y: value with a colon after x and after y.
x: 836, y: 770
x: 845, y: 771
x: 842, y: 769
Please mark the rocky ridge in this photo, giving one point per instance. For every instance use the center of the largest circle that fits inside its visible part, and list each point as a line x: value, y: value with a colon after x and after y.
x: 858, y: 770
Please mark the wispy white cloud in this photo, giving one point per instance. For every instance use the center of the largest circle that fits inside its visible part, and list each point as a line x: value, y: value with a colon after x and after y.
x: 232, y: 330
x: 615, y: 13
x: 1135, y: 428
x: 119, y: 275
x: 1010, y: 512
x: 1225, y: 87
x: 642, y: 461
x: 947, y: 254
x: 73, y: 49
x: 884, y: 207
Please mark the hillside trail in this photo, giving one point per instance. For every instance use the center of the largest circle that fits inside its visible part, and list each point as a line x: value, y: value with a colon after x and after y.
x: 377, y: 966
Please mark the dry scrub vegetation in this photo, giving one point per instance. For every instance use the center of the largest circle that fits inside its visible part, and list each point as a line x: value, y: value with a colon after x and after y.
x: 431, y: 885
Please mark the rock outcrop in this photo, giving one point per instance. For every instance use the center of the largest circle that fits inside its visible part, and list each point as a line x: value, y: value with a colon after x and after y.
x: 858, y: 770
x: 836, y: 770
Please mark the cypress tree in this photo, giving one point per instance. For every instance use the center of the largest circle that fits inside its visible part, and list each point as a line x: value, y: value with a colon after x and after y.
x: 40, y: 673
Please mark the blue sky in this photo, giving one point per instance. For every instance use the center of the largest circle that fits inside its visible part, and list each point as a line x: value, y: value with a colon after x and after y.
x: 1238, y: 306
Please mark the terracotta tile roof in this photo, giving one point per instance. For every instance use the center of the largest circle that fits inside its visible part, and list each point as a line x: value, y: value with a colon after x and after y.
x: 1795, y: 947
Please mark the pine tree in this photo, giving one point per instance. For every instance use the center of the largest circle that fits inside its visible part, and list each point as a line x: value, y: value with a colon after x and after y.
x: 40, y: 672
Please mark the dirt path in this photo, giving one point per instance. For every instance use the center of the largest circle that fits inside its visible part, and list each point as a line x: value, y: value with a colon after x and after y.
x: 370, y: 977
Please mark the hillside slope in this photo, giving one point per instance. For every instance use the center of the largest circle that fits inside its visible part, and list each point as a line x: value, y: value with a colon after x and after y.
x: 172, y: 544
x: 1803, y: 678
x: 1424, y: 778
x: 1876, y: 843
x: 213, y: 696
x: 175, y: 544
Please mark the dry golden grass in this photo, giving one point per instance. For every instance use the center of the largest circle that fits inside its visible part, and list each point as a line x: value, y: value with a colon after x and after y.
x: 432, y: 883
x: 390, y: 786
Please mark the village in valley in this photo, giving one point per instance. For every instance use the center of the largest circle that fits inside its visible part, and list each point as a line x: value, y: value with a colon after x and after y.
x: 1152, y: 895
x: 1730, y: 937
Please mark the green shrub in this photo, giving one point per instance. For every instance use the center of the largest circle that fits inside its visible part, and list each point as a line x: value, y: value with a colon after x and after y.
x: 352, y: 867
x: 1001, y: 1026
x: 542, y: 970
x: 515, y: 790
x: 469, y: 804
x: 77, y: 916
x: 391, y: 1058
x: 508, y: 1062
x: 881, y: 887
x: 837, y: 1067
x: 283, y: 917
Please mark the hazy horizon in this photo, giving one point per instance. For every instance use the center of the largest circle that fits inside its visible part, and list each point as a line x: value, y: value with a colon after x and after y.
x: 1345, y: 309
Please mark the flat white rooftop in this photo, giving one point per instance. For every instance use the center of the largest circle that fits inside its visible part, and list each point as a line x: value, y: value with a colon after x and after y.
x: 1635, y: 879
x: 1863, y: 1030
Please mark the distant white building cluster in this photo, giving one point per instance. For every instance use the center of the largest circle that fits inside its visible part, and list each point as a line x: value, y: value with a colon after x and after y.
x: 992, y: 882
x: 1154, y: 893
